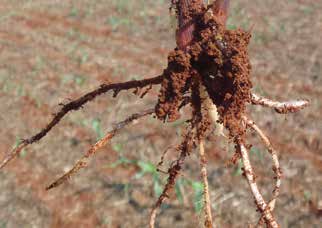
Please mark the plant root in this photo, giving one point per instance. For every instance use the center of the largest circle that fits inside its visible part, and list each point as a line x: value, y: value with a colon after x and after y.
x: 195, y: 132
x: 207, y: 203
x: 259, y: 200
x: 77, y: 104
x: 83, y: 162
x: 210, y: 69
x: 280, y: 107
x: 174, y: 171
x: 276, y: 166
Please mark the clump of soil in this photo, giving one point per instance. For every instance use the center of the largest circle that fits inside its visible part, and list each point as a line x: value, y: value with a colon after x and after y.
x: 174, y: 85
x: 209, y: 55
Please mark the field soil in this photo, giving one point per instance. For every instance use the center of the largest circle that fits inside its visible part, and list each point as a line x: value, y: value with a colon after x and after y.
x: 54, y: 51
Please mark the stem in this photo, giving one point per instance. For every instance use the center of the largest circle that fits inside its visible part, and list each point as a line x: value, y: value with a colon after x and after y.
x: 220, y: 10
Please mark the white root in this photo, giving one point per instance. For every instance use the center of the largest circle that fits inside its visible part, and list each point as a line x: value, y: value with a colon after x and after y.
x: 260, y: 202
x: 276, y: 165
x: 206, y: 195
x: 280, y: 107
x: 209, y: 106
x: 208, y: 109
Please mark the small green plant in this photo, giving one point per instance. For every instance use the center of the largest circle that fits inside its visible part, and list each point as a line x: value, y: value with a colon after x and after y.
x: 116, y: 22
x: 23, y: 152
x: 198, y: 189
x: 238, y: 171
x: 97, y: 127
x: 3, y: 224
x: 73, y: 78
x: 73, y: 12
x: 150, y: 169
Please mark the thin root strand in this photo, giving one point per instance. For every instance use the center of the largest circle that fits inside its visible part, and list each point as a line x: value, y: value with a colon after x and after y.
x: 276, y: 165
x: 77, y: 104
x: 206, y: 194
x: 280, y: 107
x: 99, y: 144
x: 250, y: 177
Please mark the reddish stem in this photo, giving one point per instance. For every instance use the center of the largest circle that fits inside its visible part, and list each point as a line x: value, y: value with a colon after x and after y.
x: 186, y: 24
x: 220, y: 10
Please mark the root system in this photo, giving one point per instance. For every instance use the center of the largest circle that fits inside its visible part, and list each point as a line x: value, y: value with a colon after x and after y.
x: 210, y: 70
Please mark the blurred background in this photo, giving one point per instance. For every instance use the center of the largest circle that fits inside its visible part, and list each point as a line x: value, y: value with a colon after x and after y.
x: 53, y: 51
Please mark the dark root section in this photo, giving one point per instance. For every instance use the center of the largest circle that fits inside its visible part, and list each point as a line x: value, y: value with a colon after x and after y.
x: 175, y: 83
x: 197, y: 129
x: 216, y: 59
x: 184, y: 149
x: 229, y: 87
x: 77, y: 104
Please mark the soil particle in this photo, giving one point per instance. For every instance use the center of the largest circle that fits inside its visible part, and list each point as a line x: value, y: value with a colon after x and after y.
x: 215, y: 58
x: 173, y: 86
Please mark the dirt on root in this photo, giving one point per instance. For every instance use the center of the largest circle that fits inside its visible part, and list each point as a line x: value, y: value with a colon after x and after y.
x: 52, y: 52
x: 218, y: 58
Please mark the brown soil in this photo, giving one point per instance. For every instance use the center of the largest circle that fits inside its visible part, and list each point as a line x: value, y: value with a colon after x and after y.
x: 36, y: 62
x: 217, y: 57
